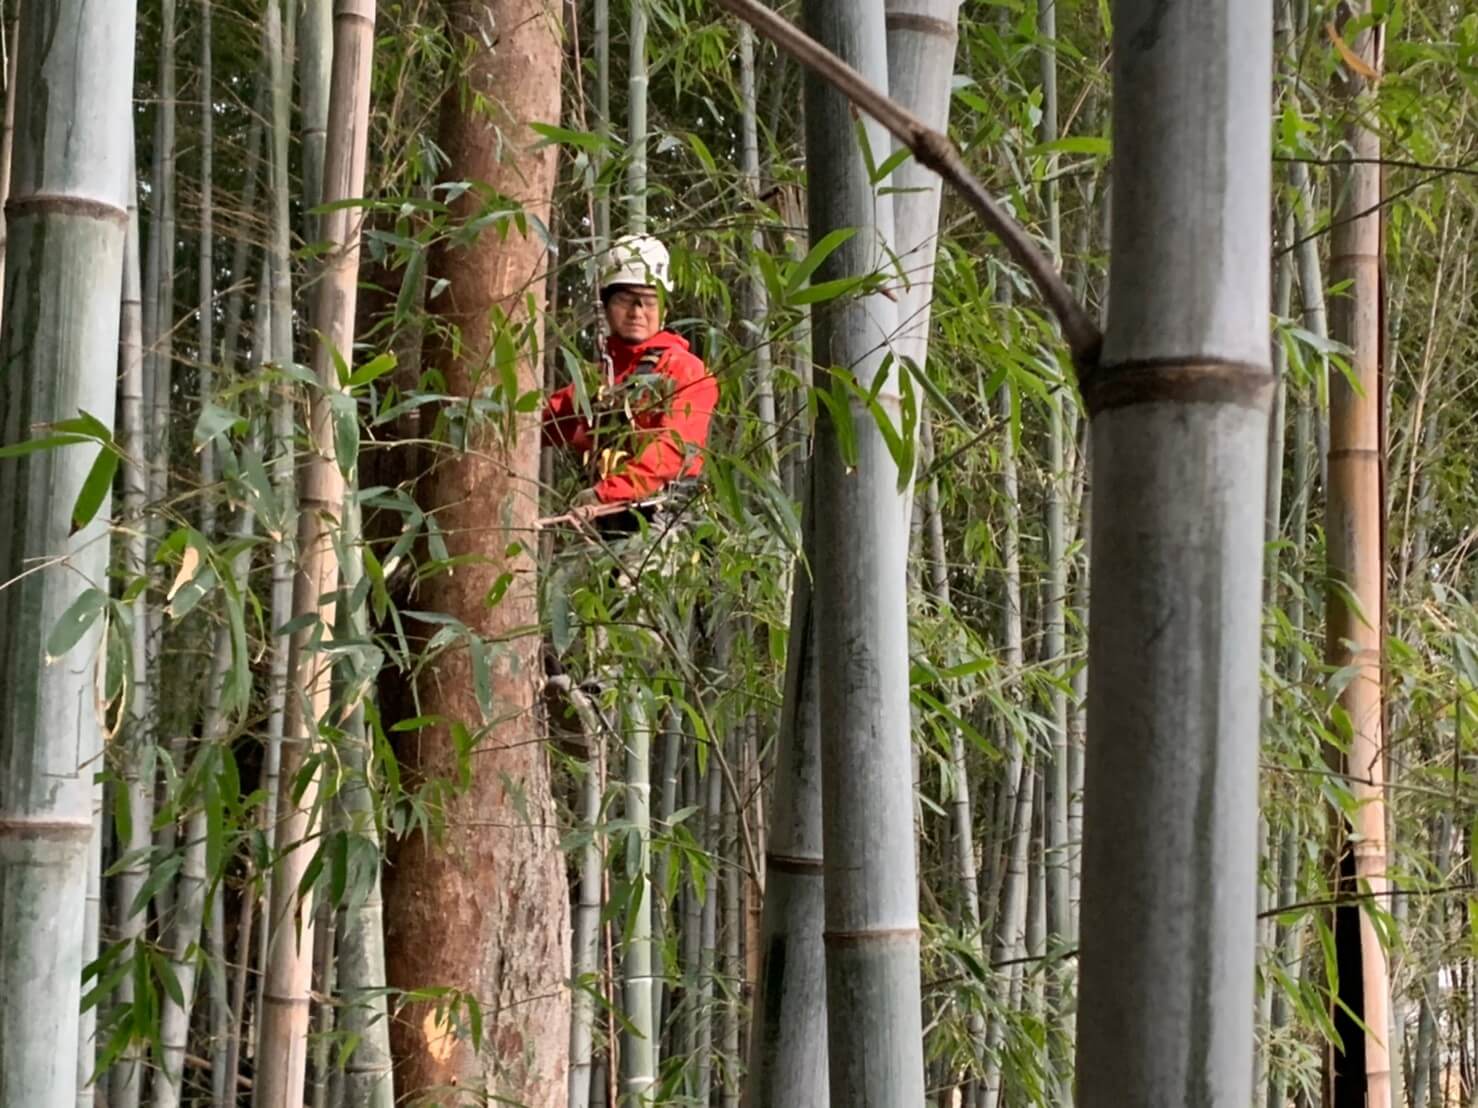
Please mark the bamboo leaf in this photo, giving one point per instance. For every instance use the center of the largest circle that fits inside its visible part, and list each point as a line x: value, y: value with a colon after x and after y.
x: 75, y: 622
x: 801, y: 272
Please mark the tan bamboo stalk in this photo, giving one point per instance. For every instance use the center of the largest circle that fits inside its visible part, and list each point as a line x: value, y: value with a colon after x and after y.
x: 321, y: 501
x: 68, y: 217
x: 1354, y: 614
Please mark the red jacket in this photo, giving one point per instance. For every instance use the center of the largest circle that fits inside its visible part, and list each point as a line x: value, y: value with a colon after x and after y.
x: 670, y: 439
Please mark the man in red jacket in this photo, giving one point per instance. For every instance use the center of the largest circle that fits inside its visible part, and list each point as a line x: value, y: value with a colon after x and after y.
x: 647, y: 426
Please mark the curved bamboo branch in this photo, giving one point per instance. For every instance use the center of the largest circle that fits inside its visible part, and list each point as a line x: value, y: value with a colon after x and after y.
x: 935, y: 150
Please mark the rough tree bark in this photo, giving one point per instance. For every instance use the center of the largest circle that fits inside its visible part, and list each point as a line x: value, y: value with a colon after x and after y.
x: 485, y: 910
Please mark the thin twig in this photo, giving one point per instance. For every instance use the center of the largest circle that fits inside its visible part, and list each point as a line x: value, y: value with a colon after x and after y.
x: 936, y: 152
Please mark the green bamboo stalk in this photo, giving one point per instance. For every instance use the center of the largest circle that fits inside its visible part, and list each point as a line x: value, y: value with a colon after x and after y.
x: 91, y: 926
x: 708, y: 949
x: 730, y: 872
x: 756, y: 306
x: 1054, y: 605
x: 138, y: 757
x: 315, y: 60
x: 7, y: 134
x: 159, y: 294
x: 206, y: 265
x: 1179, y: 403
x: 367, y: 1079
x: 663, y: 921
x: 602, y: 21
x: 875, y: 1035
x: 68, y: 218
x: 261, y: 344
x: 189, y: 915
x: 1272, y: 530
x: 638, y: 1038
x: 636, y: 122
x: 231, y: 333
x: 586, y: 969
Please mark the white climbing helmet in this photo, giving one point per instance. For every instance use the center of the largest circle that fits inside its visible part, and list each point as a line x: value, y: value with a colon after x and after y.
x: 636, y: 260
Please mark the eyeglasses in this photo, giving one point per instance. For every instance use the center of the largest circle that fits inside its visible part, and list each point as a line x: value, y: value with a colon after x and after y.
x: 626, y: 300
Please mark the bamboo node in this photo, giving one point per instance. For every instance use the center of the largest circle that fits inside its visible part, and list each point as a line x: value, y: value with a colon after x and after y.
x: 1183, y: 382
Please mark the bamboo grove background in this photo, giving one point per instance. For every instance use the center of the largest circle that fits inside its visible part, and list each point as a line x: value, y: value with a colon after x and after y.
x: 327, y: 828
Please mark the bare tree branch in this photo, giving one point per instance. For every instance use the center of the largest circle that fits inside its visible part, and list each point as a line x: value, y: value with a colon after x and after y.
x: 934, y: 150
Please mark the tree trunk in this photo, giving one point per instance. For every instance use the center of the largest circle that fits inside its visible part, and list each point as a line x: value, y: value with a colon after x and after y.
x: 874, y: 1020
x: 68, y: 216
x: 1179, y: 448
x: 1360, y: 1074
x: 493, y: 891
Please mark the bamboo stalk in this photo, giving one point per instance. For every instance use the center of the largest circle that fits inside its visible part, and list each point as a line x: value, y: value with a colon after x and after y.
x: 708, y: 950
x: 638, y: 1038
x: 67, y: 225
x: 159, y: 294
x: 662, y: 917
x: 756, y: 297
x: 137, y: 759
x: 787, y: 1059
x: 315, y: 60
x: 730, y: 873
x: 636, y: 121
x: 206, y: 265
x: 1354, y: 626
x: 875, y: 1036
x: 7, y: 133
x: 321, y: 496
x: 1179, y: 448
x: 586, y: 970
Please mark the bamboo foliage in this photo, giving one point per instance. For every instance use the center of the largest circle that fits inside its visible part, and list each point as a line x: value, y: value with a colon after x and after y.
x: 409, y: 731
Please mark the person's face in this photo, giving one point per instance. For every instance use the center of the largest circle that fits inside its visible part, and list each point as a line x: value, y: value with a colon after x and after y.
x: 634, y: 313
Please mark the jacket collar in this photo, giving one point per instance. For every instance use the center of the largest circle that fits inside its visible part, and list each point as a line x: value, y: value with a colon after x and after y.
x: 625, y: 354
